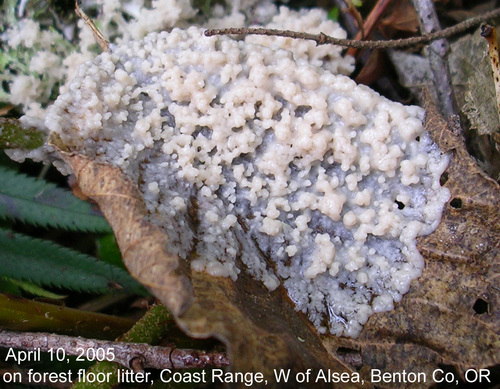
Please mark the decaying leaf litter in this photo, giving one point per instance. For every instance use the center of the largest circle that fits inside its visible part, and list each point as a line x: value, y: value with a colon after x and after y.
x: 473, y: 88
x: 222, y: 309
x: 461, y: 268
x: 266, y: 324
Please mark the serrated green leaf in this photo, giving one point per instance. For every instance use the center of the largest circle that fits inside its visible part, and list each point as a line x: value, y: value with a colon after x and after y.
x: 33, y: 289
x: 48, y: 264
x: 7, y: 286
x: 108, y: 250
x: 44, y: 204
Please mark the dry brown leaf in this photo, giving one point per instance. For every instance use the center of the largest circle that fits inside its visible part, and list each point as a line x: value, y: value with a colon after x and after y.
x: 143, y: 245
x: 262, y: 329
x: 436, y: 324
x: 400, y: 17
x: 473, y: 88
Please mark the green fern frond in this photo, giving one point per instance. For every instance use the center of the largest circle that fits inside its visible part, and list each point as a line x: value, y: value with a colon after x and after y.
x: 33, y: 289
x: 45, y: 263
x: 108, y: 250
x: 44, y: 204
x: 6, y: 286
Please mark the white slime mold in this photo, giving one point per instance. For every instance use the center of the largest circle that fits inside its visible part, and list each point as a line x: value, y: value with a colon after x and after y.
x: 278, y: 157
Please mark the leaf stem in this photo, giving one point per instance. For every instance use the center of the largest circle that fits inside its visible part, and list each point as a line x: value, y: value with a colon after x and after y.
x: 20, y: 314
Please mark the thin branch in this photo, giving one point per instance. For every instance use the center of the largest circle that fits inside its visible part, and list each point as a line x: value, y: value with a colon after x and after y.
x: 322, y: 39
x: 138, y: 355
x: 436, y: 53
x: 103, y: 42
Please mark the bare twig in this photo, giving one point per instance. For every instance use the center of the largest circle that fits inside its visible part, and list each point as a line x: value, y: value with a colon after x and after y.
x: 126, y: 354
x: 436, y: 53
x: 322, y: 39
x: 103, y: 42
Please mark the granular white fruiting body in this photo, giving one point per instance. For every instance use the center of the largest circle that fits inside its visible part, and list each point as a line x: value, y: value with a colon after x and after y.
x: 243, y: 151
